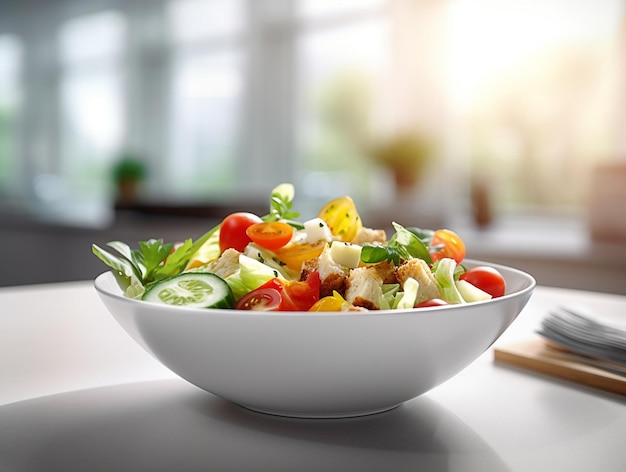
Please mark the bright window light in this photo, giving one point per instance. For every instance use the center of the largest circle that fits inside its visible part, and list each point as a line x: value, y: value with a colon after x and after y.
x: 194, y: 20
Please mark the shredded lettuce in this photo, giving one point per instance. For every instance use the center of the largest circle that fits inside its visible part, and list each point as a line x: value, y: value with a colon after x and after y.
x: 471, y: 293
x: 410, y: 287
x: 444, y: 274
x: 390, y: 292
x: 251, y: 275
x: 205, y: 250
x: 268, y: 258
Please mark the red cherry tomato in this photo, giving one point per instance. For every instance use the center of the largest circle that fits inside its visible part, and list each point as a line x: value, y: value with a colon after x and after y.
x: 487, y: 279
x: 279, y: 295
x: 446, y: 243
x: 432, y: 302
x: 272, y: 235
x: 261, y: 299
x: 303, y: 295
x: 233, y: 230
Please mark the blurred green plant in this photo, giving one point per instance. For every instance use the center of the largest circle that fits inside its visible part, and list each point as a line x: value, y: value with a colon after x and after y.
x: 127, y: 172
x: 129, y: 167
x: 406, y: 155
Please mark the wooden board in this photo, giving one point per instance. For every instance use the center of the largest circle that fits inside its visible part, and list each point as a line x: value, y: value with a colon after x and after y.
x: 536, y: 354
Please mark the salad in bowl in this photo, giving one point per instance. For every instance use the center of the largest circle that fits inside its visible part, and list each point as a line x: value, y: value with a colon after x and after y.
x: 277, y: 262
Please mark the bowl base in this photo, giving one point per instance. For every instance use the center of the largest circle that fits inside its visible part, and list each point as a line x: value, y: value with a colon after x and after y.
x: 329, y: 416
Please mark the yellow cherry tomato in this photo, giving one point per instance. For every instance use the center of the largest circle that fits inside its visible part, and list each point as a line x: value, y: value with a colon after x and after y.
x: 446, y: 243
x: 342, y: 218
x: 334, y: 302
x: 295, y: 254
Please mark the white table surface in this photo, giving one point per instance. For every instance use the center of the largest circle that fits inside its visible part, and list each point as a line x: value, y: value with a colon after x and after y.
x: 77, y: 394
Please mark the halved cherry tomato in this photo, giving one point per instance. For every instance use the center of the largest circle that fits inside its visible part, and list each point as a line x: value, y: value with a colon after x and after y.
x: 294, y: 255
x: 272, y: 235
x: 233, y: 230
x: 261, y: 299
x: 446, y: 243
x: 487, y: 279
x: 301, y: 296
x: 342, y: 218
x: 432, y: 302
x: 280, y: 295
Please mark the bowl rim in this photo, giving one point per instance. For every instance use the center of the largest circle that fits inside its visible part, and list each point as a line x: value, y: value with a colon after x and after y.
x: 530, y: 284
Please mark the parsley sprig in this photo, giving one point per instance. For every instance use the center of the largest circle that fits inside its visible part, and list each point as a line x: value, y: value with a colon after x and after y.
x: 153, y: 261
x: 281, y: 206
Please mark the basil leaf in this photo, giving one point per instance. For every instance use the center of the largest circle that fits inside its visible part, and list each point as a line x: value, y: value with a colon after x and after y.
x: 371, y: 254
x: 404, y: 244
x: 410, y: 243
x: 424, y: 235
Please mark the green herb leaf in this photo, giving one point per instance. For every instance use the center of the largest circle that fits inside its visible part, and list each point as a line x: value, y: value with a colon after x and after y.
x: 151, y: 255
x: 281, y: 206
x: 174, y: 262
x: 122, y: 268
x: 371, y: 254
x: 404, y: 244
x: 424, y: 235
x: 410, y: 243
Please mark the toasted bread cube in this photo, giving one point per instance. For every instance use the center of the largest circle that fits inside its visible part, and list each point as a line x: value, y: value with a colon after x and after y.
x: 364, y: 288
x: 419, y: 270
x: 386, y: 271
x: 227, y: 264
x: 368, y: 235
x: 333, y: 276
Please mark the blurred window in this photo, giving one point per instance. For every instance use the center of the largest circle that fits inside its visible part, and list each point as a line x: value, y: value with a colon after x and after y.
x: 228, y: 96
x: 341, y: 51
x: 206, y: 95
x: 536, y: 87
x: 10, y: 65
x: 91, y: 100
x: 316, y: 9
x: 193, y: 21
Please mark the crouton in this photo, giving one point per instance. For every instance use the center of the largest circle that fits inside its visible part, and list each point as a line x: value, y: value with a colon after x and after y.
x: 386, y: 271
x: 353, y: 309
x: 368, y: 235
x: 333, y: 276
x: 227, y: 264
x: 419, y: 270
x: 364, y: 288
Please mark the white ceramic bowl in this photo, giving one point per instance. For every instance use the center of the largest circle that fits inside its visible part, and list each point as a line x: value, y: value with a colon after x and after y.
x: 318, y: 365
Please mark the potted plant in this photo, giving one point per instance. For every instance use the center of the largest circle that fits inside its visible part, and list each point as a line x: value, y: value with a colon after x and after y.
x: 127, y: 173
x: 406, y: 155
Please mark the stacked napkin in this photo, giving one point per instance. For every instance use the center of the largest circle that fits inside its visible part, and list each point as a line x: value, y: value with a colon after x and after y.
x: 585, y: 335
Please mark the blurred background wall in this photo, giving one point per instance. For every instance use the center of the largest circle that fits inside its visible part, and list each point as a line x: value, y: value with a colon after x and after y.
x: 489, y: 117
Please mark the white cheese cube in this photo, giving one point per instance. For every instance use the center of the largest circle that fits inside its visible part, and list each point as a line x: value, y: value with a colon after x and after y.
x: 317, y: 230
x: 346, y: 254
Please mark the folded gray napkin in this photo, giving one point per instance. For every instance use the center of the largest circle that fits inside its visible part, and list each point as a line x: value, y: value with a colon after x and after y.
x: 584, y: 334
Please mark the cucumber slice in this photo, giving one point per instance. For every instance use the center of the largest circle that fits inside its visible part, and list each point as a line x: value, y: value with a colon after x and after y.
x: 196, y: 289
